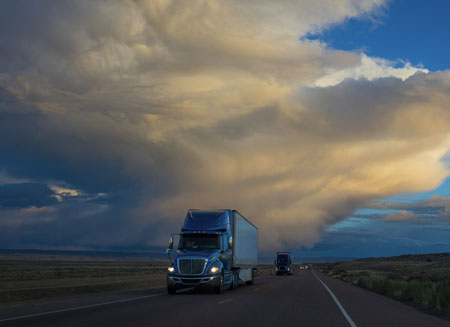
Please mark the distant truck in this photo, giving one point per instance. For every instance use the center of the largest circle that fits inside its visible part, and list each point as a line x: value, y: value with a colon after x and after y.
x: 284, y: 263
x: 216, y: 250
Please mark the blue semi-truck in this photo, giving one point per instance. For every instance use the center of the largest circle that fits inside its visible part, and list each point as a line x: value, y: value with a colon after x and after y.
x: 216, y: 250
x: 284, y: 263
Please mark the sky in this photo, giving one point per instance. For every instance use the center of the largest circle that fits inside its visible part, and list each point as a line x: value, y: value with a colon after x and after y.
x: 326, y: 123
x: 405, y: 31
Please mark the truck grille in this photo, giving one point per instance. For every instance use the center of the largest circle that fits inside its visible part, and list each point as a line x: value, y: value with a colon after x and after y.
x: 191, y: 281
x: 191, y: 266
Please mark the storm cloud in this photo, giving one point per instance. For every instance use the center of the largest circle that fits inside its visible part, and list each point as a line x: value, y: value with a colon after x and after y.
x: 434, y: 208
x: 25, y: 195
x: 141, y: 110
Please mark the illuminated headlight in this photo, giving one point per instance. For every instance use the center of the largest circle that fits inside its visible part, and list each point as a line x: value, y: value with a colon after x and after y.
x: 171, y: 269
x: 214, y: 269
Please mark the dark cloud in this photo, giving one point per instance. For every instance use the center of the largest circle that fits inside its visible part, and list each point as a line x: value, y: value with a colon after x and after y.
x: 435, y: 207
x: 25, y: 195
x: 377, y: 237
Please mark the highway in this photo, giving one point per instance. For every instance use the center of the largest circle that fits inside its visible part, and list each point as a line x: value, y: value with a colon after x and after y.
x: 306, y: 299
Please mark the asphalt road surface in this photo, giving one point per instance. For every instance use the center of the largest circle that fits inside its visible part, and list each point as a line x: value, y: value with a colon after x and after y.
x: 306, y: 299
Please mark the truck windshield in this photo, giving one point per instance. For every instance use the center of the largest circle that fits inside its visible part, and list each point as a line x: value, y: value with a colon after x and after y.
x: 282, y: 258
x: 199, y: 241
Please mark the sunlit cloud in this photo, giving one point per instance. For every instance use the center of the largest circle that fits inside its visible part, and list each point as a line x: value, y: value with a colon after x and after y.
x: 434, y: 208
x: 402, y: 215
x: 369, y: 68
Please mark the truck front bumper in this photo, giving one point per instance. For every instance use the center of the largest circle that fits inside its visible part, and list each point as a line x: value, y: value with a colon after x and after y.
x: 283, y: 270
x: 180, y: 282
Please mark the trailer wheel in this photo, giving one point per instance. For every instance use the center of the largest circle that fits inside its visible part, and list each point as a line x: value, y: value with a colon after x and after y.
x: 171, y: 290
x: 250, y: 282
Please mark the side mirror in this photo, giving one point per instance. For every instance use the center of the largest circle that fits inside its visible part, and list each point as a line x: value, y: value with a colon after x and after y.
x: 275, y: 262
x: 170, y: 242
x: 230, y: 242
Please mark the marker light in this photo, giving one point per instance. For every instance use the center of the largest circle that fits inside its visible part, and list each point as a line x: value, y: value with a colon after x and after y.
x: 171, y: 269
x: 214, y: 269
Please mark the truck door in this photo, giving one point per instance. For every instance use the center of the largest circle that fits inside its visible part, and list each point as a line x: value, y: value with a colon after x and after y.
x: 225, y: 254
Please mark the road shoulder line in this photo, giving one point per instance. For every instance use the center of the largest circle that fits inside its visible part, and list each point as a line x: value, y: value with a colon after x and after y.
x: 346, y: 315
x: 81, y: 307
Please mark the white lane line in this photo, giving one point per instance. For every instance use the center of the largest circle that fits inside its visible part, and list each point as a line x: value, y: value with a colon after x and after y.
x: 82, y: 307
x: 350, y: 321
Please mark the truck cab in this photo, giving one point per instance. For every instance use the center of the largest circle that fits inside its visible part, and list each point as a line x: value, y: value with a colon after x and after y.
x: 283, y: 263
x: 216, y: 249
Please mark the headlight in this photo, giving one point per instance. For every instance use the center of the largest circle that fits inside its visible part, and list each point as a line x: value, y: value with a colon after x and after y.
x: 214, y: 269
x: 171, y: 269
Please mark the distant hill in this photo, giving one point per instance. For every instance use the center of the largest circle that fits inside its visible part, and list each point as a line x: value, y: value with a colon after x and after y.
x: 270, y: 260
x: 323, y: 259
x: 73, y: 255
x: 445, y: 256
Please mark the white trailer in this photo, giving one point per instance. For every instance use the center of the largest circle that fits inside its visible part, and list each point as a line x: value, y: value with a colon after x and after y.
x: 245, y: 247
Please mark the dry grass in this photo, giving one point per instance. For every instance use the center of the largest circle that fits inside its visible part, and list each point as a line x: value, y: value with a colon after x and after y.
x: 419, y: 280
x: 25, y: 280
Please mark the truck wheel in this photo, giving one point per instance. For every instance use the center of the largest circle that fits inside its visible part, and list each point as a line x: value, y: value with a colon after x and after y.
x: 171, y: 290
x: 218, y: 289
x: 234, y: 283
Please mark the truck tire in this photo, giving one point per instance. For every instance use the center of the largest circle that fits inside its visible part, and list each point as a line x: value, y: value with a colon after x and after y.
x: 219, y: 289
x: 171, y: 290
x: 250, y: 282
x: 235, y: 281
